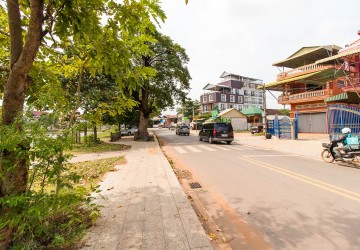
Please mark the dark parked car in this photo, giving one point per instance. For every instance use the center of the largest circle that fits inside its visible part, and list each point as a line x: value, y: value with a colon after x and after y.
x: 257, y: 129
x: 217, y: 131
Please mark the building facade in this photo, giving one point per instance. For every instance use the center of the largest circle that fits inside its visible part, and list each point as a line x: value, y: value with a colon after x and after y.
x: 315, y: 77
x: 234, y: 91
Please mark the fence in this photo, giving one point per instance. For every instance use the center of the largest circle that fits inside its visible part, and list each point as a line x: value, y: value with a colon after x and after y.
x: 342, y: 116
x: 281, y: 128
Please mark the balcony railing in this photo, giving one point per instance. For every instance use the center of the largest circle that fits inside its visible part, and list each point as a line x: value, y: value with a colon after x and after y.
x: 305, y: 96
x: 301, y: 70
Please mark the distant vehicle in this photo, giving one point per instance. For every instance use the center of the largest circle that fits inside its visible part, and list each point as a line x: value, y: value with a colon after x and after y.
x: 129, y: 131
x: 256, y: 129
x: 217, y: 131
x: 172, y: 126
x: 182, y: 129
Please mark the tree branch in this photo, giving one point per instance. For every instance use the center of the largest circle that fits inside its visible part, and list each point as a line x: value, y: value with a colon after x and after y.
x: 4, y: 33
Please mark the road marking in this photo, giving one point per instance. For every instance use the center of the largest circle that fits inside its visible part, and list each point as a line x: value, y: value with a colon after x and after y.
x: 236, y: 147
x: 320, y: 184
x: 221, y: 147
x: 207, y: 148
x: 265, y: 155
x: 180, y: 150
x: 193, y: 149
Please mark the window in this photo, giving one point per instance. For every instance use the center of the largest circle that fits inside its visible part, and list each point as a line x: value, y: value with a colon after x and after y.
x: 222, y: 106
x: 204, y: 108
x: 246, y: 99
x: 232, y: 98
x: 210, y: 98
x: 223, y: 97
x: 204, y: 98
x: 246, y: 92
x: 252, y: 93
x: 252, y: 86
x: 240, y: 99
x: 240, y: 107
x: 231, y: 106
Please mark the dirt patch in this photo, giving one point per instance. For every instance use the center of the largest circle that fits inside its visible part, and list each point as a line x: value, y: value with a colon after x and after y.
x: 122, y: 161
x: 152, y: 150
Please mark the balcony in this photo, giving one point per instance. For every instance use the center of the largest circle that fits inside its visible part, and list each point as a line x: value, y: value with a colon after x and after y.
x: 305, y: 96
x: 302, y: 70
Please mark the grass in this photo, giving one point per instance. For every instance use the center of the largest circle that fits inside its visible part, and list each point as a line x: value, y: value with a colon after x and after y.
x: 92, y: 172
x: 98, y: 148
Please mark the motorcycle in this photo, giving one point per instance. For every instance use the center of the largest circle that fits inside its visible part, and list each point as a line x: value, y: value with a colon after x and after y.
x: 350, y: 154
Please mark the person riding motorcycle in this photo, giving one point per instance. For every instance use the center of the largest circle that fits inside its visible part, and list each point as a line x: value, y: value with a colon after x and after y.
x: 346, y: 132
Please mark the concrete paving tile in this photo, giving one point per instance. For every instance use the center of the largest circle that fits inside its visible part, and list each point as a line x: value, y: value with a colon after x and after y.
x: 154, y: 240
x: 132, y: 227
x: 174, y: 231
x: 194, y: 231
x: 107, y: 241
x: 177, y: 244
x: 130, y: 241
x: 153, y: 222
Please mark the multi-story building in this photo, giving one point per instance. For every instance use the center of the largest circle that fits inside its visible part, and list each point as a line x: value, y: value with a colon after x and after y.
x: 234, y: 91
x: 314, y: 78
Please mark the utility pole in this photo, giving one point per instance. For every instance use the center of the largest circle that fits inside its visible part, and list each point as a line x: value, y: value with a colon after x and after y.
x: 264, y: 115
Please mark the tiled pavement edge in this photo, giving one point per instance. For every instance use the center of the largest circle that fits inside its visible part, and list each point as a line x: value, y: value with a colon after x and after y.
x: 144, y: 206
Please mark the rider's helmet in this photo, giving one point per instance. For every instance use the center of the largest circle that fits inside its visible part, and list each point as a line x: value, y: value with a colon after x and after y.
x: 346, y: 131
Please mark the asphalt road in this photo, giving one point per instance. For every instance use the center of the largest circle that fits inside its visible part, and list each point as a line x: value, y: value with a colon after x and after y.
x: 268, y: 199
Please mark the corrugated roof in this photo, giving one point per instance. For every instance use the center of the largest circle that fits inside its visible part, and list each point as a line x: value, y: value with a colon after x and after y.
x: 340, y: 55
x: 319, y: 76
x: 307, y: 55
x: 348, y: 97
x: 252, y: 111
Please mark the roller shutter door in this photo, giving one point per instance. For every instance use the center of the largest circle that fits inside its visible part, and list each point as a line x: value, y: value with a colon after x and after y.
x: 312, y: 123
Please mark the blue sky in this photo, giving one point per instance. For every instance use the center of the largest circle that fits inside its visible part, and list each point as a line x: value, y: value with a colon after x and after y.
x: 246, y: 37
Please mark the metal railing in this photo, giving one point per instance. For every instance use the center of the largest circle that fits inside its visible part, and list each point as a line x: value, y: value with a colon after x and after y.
x: 305, y: 95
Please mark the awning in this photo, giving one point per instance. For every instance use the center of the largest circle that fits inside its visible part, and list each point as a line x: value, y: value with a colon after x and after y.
x: 251, y: 111
x: 348, y: 97
x: 343, y: 54
x: 322, y: 76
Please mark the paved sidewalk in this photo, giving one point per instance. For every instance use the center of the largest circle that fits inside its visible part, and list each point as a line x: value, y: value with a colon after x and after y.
x: 144, y: 206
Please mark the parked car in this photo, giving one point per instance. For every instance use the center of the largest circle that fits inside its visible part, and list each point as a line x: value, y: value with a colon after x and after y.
x: 217, y: 131
x: 129, y: 131
x: 256, y: 129
x: 182, y: 129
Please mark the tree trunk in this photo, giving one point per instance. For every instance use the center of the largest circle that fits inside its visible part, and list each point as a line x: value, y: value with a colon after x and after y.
x: 14, y: 174
x: 143, y: 133
x: 95, y: 134
x: 85, y: 135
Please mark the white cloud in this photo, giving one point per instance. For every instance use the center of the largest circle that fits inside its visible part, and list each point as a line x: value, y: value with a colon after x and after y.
x: 247, y: 36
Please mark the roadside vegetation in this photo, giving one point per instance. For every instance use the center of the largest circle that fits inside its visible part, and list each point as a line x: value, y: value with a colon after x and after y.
x: 60, y: 57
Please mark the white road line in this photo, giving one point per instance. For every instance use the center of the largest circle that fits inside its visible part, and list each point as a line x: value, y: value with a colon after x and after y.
x: 221, y: 147
x: 193, y: 149
x: 236, y: 147
x: 266, y: 155
x: 180, y: 150
x: 207, y: 148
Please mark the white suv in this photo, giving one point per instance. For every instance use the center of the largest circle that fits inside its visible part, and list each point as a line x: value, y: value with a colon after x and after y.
x: 129, y: 131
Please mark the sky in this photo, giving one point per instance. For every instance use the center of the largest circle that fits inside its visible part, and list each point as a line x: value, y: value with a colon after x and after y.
x: 245, y: 37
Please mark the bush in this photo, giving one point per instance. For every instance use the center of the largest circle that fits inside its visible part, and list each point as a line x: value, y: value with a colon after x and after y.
x: 46, y: 221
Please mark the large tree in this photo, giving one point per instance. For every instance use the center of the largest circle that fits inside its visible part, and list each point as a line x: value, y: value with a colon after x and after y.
x: 167, y: 80
x: 51, y: 26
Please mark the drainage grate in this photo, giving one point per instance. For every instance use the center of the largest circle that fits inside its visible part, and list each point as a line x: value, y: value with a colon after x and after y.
x: 194, y: 185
